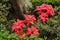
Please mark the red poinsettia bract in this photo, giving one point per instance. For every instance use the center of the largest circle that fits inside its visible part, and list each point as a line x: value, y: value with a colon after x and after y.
x: 33, y: 30
x: 43, y: 17
x: 17, y: 27
x: 29, y: 19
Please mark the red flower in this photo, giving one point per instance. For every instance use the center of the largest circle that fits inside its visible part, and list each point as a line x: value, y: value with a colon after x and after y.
x: 45, y: 8
x: 32, y: 30
x: 29, y: 19
x: 43, y: 17
x: 29, y: 31
x: 18, y: 25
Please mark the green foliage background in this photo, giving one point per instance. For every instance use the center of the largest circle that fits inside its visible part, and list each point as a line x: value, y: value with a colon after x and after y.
x: 50, y: 30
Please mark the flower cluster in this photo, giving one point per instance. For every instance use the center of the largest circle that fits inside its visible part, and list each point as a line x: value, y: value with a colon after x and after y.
x: 44, y: 11
x: 18, y: 25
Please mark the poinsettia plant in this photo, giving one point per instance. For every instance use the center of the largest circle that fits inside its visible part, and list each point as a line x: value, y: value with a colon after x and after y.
x: 31, y: 30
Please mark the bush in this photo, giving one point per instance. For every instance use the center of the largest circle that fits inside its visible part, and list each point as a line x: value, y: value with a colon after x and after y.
x: 49, y: 30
